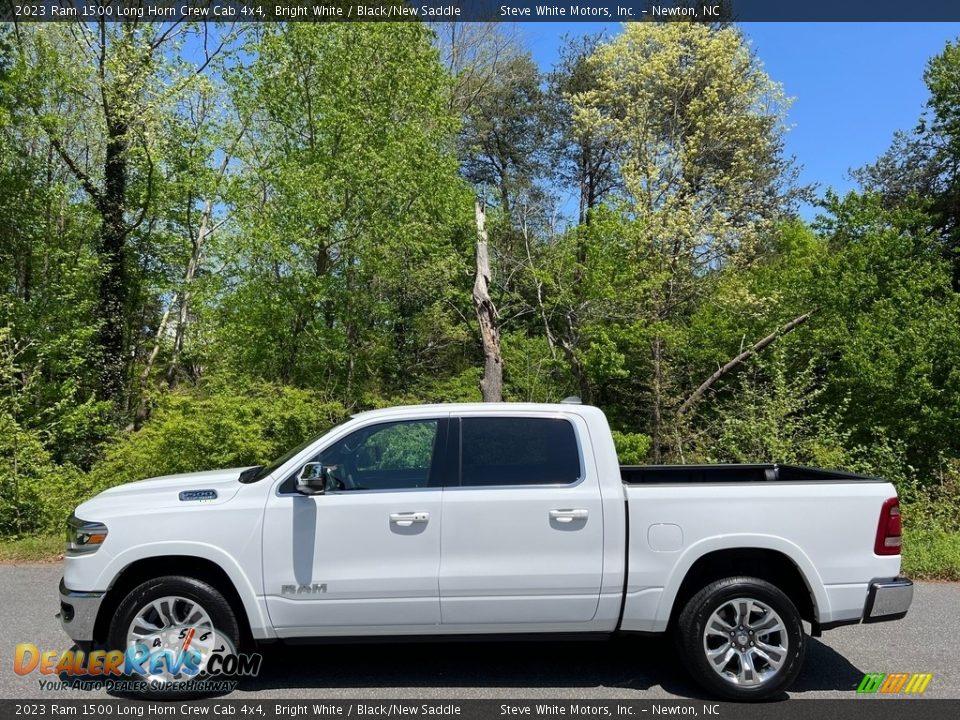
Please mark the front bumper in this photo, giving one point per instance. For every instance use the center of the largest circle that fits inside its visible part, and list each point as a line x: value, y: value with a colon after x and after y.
x: 78, y: 612
x: 888, y: 599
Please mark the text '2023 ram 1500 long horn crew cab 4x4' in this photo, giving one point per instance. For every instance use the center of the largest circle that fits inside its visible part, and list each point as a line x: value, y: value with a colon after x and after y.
x: 510, y: 519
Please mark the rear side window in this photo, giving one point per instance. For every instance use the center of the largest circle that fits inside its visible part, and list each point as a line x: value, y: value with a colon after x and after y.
x: 518, y: 451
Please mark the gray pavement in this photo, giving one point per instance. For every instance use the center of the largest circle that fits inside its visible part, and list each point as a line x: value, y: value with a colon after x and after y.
x: 928, y: 640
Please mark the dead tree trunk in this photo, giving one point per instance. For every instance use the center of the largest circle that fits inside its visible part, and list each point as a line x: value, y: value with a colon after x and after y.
x: 492, y: 383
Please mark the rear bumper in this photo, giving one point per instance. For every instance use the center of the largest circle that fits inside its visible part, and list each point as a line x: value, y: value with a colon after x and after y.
x: 78, y: 612
x: 888, y: 599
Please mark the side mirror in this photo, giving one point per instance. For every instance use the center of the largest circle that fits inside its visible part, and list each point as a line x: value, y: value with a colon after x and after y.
x: 312, y: 479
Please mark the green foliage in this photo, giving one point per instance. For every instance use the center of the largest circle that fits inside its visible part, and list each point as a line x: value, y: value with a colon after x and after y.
x: 632, y: 448
x: 462, y: 387
x: 934, y: 506
x: 533, y: 372
x: 699, y: 129
x: 348, y: 205
x: 931, y: 554
x: 216, y: 425
x: 890, y: 335
x: 404, y: 446
x: 773, y: 416
x: 503, y: 137
x: 36, y: 495
x: 923, y: 163
x: 696, y: 129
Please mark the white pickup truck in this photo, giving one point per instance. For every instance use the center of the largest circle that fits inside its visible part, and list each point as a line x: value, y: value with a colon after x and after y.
x: 505, y: 519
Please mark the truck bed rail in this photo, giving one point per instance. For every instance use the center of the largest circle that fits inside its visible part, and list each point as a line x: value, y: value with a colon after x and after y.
x: 733, y: 473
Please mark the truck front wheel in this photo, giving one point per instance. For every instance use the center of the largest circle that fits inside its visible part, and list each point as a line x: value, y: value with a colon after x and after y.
x: 741, y: 638
x: 171, y: 626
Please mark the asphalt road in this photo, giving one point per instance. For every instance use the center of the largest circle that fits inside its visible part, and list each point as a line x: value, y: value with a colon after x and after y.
x: 928, y: 640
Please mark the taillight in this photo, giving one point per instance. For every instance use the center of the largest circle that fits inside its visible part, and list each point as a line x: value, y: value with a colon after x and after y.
x: 889, y: 529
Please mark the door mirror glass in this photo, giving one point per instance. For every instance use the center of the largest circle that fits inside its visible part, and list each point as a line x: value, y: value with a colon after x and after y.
x: 312, y: 479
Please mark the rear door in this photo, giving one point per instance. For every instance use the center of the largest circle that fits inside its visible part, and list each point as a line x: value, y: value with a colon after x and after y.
x: 522, y: 537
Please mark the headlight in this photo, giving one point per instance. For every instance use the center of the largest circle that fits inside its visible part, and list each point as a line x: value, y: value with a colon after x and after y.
x: 84, y: 537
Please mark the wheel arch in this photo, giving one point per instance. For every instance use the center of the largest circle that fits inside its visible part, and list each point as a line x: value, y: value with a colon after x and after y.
x: 194, y: 566
x: 784, y: 567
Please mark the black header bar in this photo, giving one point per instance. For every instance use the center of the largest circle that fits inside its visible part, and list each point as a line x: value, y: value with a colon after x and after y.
x: 254, y: 707
x: 598, y: 11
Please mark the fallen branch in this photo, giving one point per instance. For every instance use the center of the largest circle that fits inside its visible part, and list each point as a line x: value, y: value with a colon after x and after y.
x: 746, y: 354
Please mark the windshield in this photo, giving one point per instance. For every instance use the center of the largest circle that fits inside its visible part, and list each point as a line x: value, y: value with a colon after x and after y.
x: 258, y: 472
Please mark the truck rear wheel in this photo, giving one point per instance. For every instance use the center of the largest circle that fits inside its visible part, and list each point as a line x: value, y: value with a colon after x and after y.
x: 175, y: 615
x: 741, y: 638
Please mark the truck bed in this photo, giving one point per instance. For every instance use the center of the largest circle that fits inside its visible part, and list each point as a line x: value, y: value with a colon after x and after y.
x: 824, y: 521
x: 689, y: 474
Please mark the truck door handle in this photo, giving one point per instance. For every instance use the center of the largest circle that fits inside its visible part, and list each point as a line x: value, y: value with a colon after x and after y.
x: 407, y: 519
x: 566, y: 516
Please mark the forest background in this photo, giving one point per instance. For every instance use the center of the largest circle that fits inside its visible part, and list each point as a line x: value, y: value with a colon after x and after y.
x: 217, y: 241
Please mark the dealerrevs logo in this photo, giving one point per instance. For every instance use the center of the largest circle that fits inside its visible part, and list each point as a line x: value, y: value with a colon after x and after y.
x: 894, y: 683
x: 201, y: 661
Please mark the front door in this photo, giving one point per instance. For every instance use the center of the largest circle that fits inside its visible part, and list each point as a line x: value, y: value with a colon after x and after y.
x: 363, y: 557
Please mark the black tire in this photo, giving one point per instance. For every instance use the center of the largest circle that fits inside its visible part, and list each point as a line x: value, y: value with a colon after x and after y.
x: 693, y: 647
x: 207, y: 596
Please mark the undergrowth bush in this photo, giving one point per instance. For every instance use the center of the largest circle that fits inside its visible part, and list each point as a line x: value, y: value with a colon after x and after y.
x: 35, y: 492
x: 216, y: 425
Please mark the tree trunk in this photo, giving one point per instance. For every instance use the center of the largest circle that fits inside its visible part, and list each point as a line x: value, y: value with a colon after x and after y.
x: 569, y: 339
x: 183, y: 317
x: 572, y: 341
x: 206, y: 229
x: 141, y: 414
x: 576, y: 368
x: 492, y: 383
x: 538, y: 286
x: 112, y: 295
x: 656, y: 402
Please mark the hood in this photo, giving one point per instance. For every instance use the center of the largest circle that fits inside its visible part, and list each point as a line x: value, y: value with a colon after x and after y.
x: 166, y: 491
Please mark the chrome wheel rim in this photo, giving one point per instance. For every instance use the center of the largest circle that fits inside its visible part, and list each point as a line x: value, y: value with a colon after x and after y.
x: 176, y: 625
x: 746, y: 642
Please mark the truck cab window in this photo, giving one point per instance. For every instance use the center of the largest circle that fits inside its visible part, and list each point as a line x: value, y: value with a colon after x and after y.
x: 518, y: 451
x: 387, y: 456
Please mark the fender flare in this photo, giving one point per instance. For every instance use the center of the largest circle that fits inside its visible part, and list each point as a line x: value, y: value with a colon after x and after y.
x: 260, y: 626
x: 745, y: 541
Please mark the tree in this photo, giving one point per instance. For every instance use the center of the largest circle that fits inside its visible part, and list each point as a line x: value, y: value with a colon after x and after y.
x: 585, y: 161
x: 891, y: 334
x: 504, y: 136
x: 473, y: 55
x: 926, y: 162
x: 503, y: 150
x: 698, y: 127
x: 191, y: 207
x: 115, y: 81
x: 47, y: 283
x: 348, y: 205
x: 871, y: 367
